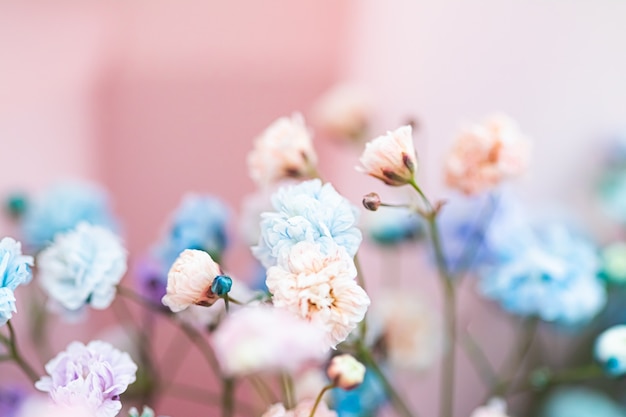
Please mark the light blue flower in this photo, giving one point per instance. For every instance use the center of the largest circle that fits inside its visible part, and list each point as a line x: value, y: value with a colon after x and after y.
x: 311, y: 212
x: 61, y: 208
x: 580, y: 402
x: 553, y: 276
x: 610, y: 350
x: 362, y: 401
x: 82, y: 266
x: 392, y: 227
x: 14, y: 271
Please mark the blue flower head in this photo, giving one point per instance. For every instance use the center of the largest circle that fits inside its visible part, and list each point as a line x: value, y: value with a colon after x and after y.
x: 392, y: 227
x: 553, y: 276
x: 14, y: 271
x: 311, y: 212
x: 60, y: 209
x: 364, y: 400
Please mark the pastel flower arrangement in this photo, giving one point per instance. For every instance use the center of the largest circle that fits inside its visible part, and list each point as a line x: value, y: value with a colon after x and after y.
x: 320, y: 313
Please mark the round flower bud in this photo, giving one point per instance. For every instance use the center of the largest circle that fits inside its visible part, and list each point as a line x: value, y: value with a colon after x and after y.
x: 371, y: 201
x: 346, y: 372
x: 610, y: 350
x: 221, y: 285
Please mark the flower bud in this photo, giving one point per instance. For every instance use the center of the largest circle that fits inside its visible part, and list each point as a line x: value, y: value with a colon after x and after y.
x: 346, y: 372
x: 221, y: 285
x: 371, y: 201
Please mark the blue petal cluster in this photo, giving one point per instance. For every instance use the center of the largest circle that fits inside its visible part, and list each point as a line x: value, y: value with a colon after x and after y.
x: 391, y: 227
x: 308, y: 211
x: 364, y: 400
x: 14, y: 271
x: 552, y: 276
x: 61, y: 207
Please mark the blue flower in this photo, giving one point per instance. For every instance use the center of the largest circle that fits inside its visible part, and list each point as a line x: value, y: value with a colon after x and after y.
x: 553, y: 276
x: 61, y: 208
x: 311, y: 212
x: 580, y: 402
x: 14, y: 271
x: 391, y: 227
x: 610, y: 350
x: 362, y: 401
x: 612, y: 193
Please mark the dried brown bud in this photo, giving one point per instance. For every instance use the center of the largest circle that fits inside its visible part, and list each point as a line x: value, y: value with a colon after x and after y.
x: 371, y: 201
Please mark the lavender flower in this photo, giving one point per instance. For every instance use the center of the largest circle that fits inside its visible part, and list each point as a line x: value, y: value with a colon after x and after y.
x: 61, y: 208
x: 14, y: 271
x: 82, y: 266
x: 11, y: 399
x: 311, y: 212
x: 92, y: 376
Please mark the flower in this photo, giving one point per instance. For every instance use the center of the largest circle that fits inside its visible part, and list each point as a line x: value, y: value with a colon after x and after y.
x: 364, y: 400
x: 35, y: 406
x: 255, y: 339
x: 344, y: 112
x: 391, y: 158
x: 11, y: 399
x: 190, y: 279
x: 14, y: 271
x: 149, y: 278
x: 345, y: 372
x: 303, y: 409
x: 91, y: 376
x: 389, y: 228
x: 60, y: 209
x: 612, y: 193
x: 580, y: 402
x: 309, y: 212
x: 614, y: 263
x: 371, y: 201
x: 610, y: 350
x: 82, y: 266
x: 553, y: 276
x: 486, y: 154
x: 319, y: 287
x: 283, y: 150
x: 496, y: 407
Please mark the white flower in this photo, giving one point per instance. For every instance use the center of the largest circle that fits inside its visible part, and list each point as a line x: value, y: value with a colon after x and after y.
x: 82, y: 266
x: 610, y: 350
x: 346, y: 372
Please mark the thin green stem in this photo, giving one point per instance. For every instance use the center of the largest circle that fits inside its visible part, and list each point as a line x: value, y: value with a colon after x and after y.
x: 227, y: 303
x: 318, y: 400
x: 234, y: 301
x: 263, y: 390
x: 429, y: 206
x: 17, y: 357
x: 228, y: 397
x: 479, y: 360
x: 288, y: 390
x: 361, y: 282
x: 4, y: 358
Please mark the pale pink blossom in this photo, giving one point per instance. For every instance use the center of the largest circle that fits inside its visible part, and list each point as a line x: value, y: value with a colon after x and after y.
x: 189, y: 281
x: 496, y: 407
x: 391, y: 158
x: 303, y: 409
x: 486, y: 154
x: 36, y: 406
x: 319, y: 287
x: 345, y: 371
x: 256, y: 339
x: 283, y: 150
x: 344, y: 112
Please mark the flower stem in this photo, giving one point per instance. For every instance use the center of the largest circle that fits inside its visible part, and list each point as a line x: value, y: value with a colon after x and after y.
x: 319, y: 399
x: 17, y: 357
x: 228, y: 397
x: 288, y: 390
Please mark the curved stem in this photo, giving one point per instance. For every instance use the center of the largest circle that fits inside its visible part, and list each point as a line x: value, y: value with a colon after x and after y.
x: 17, y: 357
x: 228, y: 397
x: 319, y: 399
x: 288, y: 390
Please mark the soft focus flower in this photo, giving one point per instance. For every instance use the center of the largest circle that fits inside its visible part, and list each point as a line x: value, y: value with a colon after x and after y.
x: 303, y: 409
x: 283, y: 150
x: 60, y: 209
x: 364, y: 400
x: 35, y: 406
x: 553, y: 276
x: 319, y: 287
x: 14, y: 271
x: 614, y: 263
x: 92, y: 376
x: 189, y: 281
x: 610, y: 350
x: 496, y: 407
x: 150, y: 279
x: 612, y: 193
x: 309, y: 212
x: 256, y: 339
x: 411, y: 332
x: 486, y: 154
x: 11, y: 399
x: 391, y: 158
x: 82, y: 266
x: 580, y: 402
x: 394, y: 226
x: 345, y: 371
x: 344, y: 112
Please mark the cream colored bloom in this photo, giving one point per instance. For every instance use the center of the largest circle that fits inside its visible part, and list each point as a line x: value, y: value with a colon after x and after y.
x: 496, y: 407
x: 344, y: 112
x: 391, y: 158
x: 283, y: 150
x: 319, y: 287
x: 303, y: 409
x: 346, y: 372
x: 189, y: 281
x: 486, y: 154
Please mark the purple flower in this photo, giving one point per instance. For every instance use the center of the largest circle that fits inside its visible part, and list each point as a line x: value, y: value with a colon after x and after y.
x: 91, y: 376
x: 11, y: 399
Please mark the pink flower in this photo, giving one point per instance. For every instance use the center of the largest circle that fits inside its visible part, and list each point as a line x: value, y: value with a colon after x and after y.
x: 496, y: 407
x: 256, y: 339
x: 189, y: 281
x: 344, y: 112
x: 486, y: 154
x: 319, y: 287
x: 283, y: 150
x: 391, y: 158
x: 303, y: 409
x: 346, y: 372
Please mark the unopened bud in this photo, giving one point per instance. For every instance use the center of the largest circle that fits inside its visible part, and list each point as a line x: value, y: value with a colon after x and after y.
x: 371, y: 201
x: 221, y: 285
x: 346, y: 372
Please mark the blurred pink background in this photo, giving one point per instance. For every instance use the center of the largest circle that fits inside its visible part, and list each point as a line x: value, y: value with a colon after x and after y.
x: 156, y: 98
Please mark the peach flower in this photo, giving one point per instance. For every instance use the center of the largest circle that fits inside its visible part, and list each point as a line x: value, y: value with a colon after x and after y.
x: 391, y: 158
x: 344, y: 112
x: 283, y: 150
x: 319, y: 287
x: 303, y: 409
x: 346, y: 372
x: 189, y: 281
x: 486, y: 154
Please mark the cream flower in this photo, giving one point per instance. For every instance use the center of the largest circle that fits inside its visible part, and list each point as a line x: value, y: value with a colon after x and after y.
x: 391, y: 158
x: 189, y: 281
x: 344, y: 112
x: 486, y: 154
x: 303, y: 409
x: 283, y: 150
x: 320, y: 288
x: 346, y: 372
x: 496, y: 407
